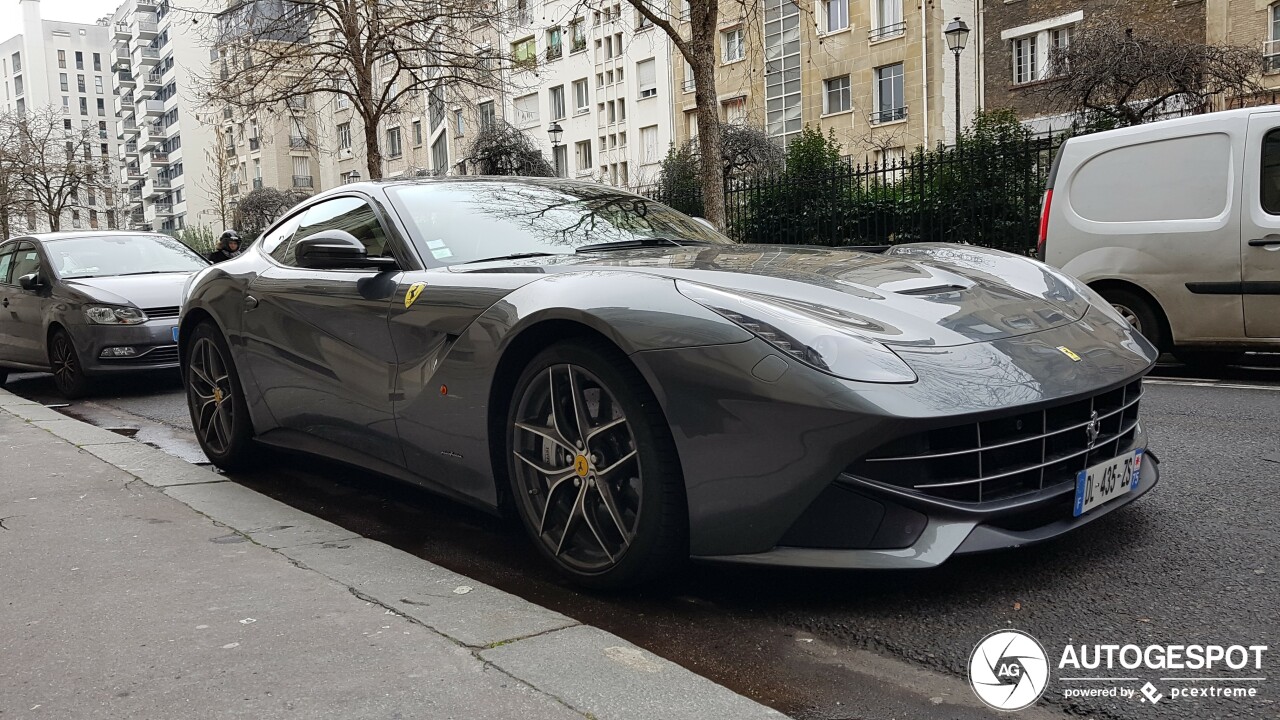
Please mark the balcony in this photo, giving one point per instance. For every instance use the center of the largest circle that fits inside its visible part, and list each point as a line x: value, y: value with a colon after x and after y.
x: 128, y: 128
x: 135, y: 193
x: 885, y: 32
x: 231, y: 149
x: 148, y: 56
x: 297, y: 142
x: 234, y: 188
x: 1271, y: 56
x: 133, y: 171
x: 152, y: 108
x: 146, y: 6
x: 159, y: 158
x: 164, y: 207
x: 151, y: 83
x: 120, y: 58
x: 122, y: 31
x: 302, y: 181
x: 137, y: 219
x: 129, y: 148
x: 161, y: 183
x: 297, y: 103
x: 124, y: 79
x: 257, y: 183
x: 888, y: 115
x: 146, y: 25
x: 124, y: 103
x: 254, y: 143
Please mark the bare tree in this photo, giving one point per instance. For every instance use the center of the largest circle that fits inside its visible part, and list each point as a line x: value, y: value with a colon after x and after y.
x: 261, y: 206
x: 1133, y: 70
x: 14, y: 197
x: 380, y: 56
x: 56, y: 163
x: 220, y: 172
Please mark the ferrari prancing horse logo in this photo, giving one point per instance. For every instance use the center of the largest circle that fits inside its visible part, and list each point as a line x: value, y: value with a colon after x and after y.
x: 411, y: 295
x: 581, y: 466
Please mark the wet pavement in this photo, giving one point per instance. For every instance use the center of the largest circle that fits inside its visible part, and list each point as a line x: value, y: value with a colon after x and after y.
x: 1194, y: 561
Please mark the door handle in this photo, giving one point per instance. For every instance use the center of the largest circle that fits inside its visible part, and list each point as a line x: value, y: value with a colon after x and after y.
x: 6, y: 302
x: 1263, y: 242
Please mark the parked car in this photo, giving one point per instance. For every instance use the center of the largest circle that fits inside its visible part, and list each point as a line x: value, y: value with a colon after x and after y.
x: 1177, y: 224
x: 86, y: 304
x: 639, y: 388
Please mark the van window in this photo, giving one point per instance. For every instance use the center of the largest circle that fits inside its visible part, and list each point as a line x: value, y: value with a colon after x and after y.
x: 1185, y: 178
x: 1270, y: 185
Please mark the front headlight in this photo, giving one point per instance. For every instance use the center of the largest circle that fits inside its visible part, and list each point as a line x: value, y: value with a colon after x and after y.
x: 825, y: 344
x: 114, y: 315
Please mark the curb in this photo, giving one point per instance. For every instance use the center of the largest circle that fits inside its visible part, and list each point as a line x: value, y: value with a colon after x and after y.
x: 593, y: 672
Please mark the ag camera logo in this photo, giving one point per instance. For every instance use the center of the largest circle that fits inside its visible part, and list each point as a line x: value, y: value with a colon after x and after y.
x: 1009, y: 670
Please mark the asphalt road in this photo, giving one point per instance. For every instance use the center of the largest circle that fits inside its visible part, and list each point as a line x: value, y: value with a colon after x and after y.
x: 1192, y: 562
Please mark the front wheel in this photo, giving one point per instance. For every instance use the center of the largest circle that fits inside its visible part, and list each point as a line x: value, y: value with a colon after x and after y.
x: 593, y: 468
x: 64, y: 362
x: 1138, y: 311
x: 219, y: 412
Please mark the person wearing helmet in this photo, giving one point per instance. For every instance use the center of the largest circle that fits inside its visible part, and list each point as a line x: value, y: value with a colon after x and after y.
x: 228, y: 247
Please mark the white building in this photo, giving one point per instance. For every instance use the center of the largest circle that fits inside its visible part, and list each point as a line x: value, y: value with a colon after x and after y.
x: 157, y: 62
x: 65, y: 65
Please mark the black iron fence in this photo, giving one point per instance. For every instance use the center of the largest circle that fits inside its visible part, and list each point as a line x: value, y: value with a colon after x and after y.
x: 984, y: 194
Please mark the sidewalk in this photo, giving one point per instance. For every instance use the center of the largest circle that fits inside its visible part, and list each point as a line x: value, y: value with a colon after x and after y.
x: 134, y: 585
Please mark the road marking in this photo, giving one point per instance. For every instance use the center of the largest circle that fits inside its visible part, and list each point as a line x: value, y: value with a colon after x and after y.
x: 1210, y: 383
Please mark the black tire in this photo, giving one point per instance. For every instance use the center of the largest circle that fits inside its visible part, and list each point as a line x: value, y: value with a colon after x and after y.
x: 64, y: 363
x: 1140, y: 313
x: 624, y: 487
x: 4, y: 376
x: 1208, y: 359
x: 216, y: 402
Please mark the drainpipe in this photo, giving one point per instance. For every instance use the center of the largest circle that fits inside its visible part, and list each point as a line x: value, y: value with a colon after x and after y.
x: 924, y: 69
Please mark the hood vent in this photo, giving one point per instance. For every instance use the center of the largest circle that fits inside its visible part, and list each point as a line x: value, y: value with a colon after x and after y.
x: 932, y: 289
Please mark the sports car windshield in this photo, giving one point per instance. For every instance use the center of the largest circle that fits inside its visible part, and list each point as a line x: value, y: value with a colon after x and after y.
x: 109, y: 255
x: 459, y: 222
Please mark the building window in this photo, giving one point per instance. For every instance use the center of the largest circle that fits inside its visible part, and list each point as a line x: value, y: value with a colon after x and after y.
x: 84, y: 106
x: 417, y: 133
x: 835, y: 95
x: 1059, y: 44
x: 393, y: 143
x: 1275, y: 23
x: 526, y: 107
x: 80, y: 83
x: 731, y: 44
x: 581, y: 96
x: 102, y: 107
x: 62, y: 81
x: 836, y: 14
x: 783, y: 114
x: 17, y: 62
x: 440, y: 155
x: 735, y: 111
x: 524, y: 53
x: 97, y: 84
x: 582, y: 152
x: 555, y: 102
x: 459, y: 125
x: 560, y: 154
x: 486, y: 115
x: 554, y: 49
x: 97, y: 62
x: 79, y: 60
x: 1024, y: 60
x: 62, y: 59
x: 649, y: 151
x: 886, y: 19
x: 344, y: 136
x: 647, y: 73
x: 890, y: 102
x: 578, y: 34
x: 17, y: 86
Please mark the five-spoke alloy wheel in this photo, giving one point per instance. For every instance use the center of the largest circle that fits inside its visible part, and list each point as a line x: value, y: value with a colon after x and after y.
x: 219, y: 413
x: 64, y: 362
x: 593, y: 468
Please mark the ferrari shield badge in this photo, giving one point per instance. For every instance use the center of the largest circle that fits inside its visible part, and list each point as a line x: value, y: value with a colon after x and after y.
x: 411, y: 295
x: 1061, y: 348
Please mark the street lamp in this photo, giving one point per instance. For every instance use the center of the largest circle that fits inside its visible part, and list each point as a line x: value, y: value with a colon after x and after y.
x: 555, y: 132
x: 957, y: 34
x: 353, y: 176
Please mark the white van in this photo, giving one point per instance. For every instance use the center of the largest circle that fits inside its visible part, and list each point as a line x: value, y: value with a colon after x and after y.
x: 1177, y: 223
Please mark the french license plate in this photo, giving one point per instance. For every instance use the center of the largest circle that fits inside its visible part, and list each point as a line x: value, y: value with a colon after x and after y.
x: 1107, y: 481
x: 175, y: 333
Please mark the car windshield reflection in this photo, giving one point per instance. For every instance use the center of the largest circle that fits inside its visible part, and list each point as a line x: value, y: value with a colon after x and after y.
x: 112, y: 255
x: 472, y: 221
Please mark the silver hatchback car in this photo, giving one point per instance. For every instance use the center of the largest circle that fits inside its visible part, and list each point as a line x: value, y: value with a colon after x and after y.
x: 86, y: 304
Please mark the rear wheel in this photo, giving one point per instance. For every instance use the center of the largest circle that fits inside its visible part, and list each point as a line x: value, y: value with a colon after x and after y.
x: 64, y: 362
x: 593, y: 468
x: 219, y: 412
x: 1140, y: 313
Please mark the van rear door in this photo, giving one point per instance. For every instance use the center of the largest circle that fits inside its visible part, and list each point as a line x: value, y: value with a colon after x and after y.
x: 1260, y: 227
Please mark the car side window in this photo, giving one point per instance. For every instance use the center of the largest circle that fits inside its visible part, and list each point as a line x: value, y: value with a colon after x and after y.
x: 276, y: 243
x: 26, y: 261
x: 1270, y: 185
x: 6, y: 264
x: 350, y: 214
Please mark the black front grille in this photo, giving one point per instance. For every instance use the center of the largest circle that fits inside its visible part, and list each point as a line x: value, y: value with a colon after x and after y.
x: 1008, y: 456
x: 161, y: 313
x: 159, y: 355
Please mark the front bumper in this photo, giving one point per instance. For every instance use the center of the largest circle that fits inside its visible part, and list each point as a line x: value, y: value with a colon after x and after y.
x: 153, y: 341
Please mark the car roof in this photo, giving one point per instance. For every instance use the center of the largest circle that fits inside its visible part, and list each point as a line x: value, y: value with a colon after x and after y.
x: 1164, y: 126
x: 46, y: 237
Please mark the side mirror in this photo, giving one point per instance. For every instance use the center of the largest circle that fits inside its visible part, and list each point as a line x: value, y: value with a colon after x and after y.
x: 30, y: 282
x: 337, y: 250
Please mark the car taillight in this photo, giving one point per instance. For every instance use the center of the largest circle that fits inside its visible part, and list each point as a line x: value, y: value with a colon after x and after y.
x: 1044, y: 222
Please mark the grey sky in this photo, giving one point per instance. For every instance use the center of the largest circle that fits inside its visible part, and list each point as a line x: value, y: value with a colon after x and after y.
x: 81, y: 11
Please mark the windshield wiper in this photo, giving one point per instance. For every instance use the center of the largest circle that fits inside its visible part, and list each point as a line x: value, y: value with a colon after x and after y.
x: 643, y: 242
x: 149, y: 272
x: 512, y: 256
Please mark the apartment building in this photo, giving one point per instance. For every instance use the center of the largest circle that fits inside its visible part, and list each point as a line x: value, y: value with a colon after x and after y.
x: 1020, y: 35
x: 67, y: 66
x: 876, y: 72
x: 597, y: 73
x: 1254, y: 24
